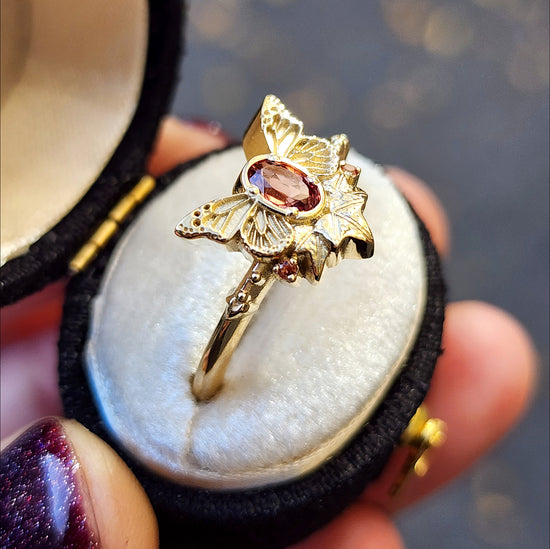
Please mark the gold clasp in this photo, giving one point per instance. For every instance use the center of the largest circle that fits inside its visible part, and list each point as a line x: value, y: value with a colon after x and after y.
x: 422, y: 433
x: 110, y: 226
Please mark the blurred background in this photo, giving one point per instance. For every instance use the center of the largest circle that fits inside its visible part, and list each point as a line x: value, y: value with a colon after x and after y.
x: 456, y: 93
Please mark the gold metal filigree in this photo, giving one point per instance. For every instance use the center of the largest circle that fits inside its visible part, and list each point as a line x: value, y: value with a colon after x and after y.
x: 246, y: 221
x: 284, y: 242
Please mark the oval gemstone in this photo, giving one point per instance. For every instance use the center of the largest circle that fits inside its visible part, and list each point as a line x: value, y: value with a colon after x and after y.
x: 284, y: 185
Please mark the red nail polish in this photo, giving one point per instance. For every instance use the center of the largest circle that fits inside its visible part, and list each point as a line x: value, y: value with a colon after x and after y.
x: 42, y: 492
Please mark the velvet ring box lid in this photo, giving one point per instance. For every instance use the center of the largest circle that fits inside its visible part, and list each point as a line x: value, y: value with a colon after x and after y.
x: 329, y: 389
x: 84, y: 86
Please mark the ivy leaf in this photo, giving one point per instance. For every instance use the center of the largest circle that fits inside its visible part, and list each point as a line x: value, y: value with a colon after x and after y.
x: 316, y: 246
x: 345, y: 220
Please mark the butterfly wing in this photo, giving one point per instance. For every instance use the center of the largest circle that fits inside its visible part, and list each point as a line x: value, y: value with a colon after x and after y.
x: 266, y: 233
x: 275, y: 129
x: 319, y: 156
x: 280, y: 127
x: 218, y: 220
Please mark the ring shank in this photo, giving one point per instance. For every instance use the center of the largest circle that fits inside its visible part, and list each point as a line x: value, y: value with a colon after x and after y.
x: 241, y: 306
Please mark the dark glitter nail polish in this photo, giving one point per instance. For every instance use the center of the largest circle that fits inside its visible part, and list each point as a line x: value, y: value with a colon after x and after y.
x: 41, y: 492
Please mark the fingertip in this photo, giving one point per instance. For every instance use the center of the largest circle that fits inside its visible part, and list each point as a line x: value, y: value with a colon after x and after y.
x: 29, y: 385
x: 179, y: 141
x: 481, y: 387
x: 426, y: 204
x: 122, y: 511
x: 62, y: 486
x: 490, y: 361
x: 34, y: 313
x: 360, y: 525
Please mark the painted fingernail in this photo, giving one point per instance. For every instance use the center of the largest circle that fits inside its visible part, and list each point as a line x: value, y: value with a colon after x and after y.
x: 44, y: 499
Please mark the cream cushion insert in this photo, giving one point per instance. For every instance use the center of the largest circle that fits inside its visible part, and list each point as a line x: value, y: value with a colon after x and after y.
x: 313, y: 364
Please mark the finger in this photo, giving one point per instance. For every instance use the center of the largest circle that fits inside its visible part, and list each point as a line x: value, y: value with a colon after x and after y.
x: 33, y: 314
x: 180, y: 141
x: 425, y: 204
x: 64, y: 487
x: 28, y: 376
x: 481, y: 387
x: 361, y: 525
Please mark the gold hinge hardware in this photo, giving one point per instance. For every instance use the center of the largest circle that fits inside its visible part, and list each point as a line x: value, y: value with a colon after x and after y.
x: 422, y: 433
x: 110, y: 226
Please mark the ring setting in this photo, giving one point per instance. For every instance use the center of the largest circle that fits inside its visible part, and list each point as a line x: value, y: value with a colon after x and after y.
x: 294, y: 210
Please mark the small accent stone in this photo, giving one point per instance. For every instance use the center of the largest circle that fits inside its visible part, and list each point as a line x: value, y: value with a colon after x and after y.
x: 351, y: 170
x: 287, y: 270
x: 284, y: 185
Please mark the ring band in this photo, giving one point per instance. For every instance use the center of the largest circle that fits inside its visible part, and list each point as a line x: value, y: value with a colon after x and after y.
x: 295, y: 209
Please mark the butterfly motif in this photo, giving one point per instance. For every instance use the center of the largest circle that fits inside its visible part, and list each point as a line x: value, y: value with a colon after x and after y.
x: 296, y: 198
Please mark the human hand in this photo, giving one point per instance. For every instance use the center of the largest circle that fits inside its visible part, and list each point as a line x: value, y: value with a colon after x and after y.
x: 480, y: 388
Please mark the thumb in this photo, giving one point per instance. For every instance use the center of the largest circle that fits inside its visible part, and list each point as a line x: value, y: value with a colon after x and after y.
x: 62, y: 486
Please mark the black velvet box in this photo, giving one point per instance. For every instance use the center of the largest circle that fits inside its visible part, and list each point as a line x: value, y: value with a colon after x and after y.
x: 47, y: 258
x: 273, y: 515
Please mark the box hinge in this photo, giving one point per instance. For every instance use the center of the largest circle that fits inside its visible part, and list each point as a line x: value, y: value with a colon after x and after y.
x: 422, y: 433
x: 110, y: 226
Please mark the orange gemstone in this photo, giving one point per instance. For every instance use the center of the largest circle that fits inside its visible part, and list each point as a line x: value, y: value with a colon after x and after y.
x: 352, y: 170
x: 284, y: 185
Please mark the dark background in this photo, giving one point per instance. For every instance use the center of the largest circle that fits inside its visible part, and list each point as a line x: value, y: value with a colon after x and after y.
x: 456, y: 93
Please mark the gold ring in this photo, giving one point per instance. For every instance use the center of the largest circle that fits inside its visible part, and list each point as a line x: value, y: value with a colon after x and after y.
x: 295, y: 209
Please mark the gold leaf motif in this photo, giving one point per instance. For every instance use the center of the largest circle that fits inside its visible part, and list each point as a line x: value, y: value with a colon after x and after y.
x: 345, y: 221
x: 317, y: 248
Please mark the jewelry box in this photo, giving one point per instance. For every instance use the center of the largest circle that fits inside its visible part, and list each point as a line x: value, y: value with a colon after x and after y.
x: 326, y: 378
